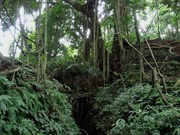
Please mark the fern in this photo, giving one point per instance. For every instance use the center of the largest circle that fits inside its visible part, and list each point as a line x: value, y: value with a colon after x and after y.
x: 31, y: 108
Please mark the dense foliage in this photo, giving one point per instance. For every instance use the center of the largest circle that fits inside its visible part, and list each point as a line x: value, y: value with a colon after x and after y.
x: 117, y: 45
x: 28, y: 107
x: 137, y: 110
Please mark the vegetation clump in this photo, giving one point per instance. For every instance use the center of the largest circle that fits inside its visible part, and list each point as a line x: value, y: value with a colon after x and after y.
x: 138, y: 110
x: 28, y: 107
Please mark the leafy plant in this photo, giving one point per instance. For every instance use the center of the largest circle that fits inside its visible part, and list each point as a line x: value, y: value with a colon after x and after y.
x: 138, y: 110
x: 34, y: 108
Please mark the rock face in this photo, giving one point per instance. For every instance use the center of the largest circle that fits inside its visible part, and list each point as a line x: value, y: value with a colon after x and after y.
x: 6, y: 62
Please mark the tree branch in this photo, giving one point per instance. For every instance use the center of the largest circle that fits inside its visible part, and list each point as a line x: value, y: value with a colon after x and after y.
x: 75, y: 5
x: 85, y: 8
x: 15, y: 25
x: 10, y: 71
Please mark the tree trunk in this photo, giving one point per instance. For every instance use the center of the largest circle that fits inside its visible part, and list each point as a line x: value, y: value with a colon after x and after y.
x: 95, y: 35
x: 177, y: 26
x: 119, y: 15
x: 140, y: 47
x: 23, y: 35
x: 118, y: 51
x: 38, y: 44
x: 45, y: 44
x: 158, y: 27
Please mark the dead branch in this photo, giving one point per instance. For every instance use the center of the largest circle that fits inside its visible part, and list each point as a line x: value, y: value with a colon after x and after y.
x: 137, y: 51
x: 11, y: 71
x: 156, y: 65
x: 159, y: 89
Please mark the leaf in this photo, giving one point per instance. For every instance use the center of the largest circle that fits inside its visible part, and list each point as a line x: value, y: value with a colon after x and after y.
x: 3, y: 106
x: 6, y: 98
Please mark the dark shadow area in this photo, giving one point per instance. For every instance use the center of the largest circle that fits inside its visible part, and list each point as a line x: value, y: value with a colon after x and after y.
x: 83, y: 116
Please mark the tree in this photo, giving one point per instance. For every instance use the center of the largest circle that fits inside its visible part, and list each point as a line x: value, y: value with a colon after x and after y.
x: 88, y: 10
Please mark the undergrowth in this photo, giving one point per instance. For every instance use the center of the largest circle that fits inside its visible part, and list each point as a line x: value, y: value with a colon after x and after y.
x: 138, y: 110
x: 31, y: 108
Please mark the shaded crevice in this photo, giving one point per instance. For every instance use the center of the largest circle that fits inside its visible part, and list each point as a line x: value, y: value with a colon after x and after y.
x: 82, y: 113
